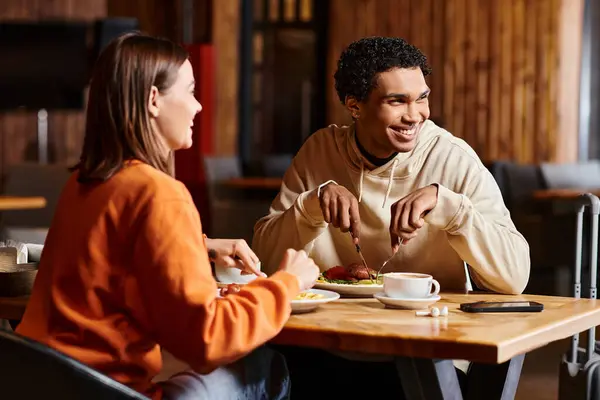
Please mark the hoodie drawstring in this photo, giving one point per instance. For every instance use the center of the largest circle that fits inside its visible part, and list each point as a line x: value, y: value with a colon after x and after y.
x: 390, y: 183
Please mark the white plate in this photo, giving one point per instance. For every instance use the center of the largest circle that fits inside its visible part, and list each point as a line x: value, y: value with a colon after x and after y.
x: 407, y: 304
x: 350, y: 290
x: 302, y: 306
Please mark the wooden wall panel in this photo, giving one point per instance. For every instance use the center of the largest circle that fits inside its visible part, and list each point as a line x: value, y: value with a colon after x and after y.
x: 156, y: 17
x: 165, y: 17
x: 438, y: 49
x: 505, y: 61
x: 568, y: 59
x: 518, y: 86
x: 18, y: 129
x: 481, y: 44
x: 553, y: 60
x: 471, y: 75
x: 492, y: 133
x: 529, y: 82
x: 503, y: 70
x: 225, y: 35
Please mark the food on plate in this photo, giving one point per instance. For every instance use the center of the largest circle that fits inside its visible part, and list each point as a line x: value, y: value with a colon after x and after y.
x: 229, y: 289
x: 353, y: 274
x: 308, y: 296
x: 360, y: 271
x: 234, y: 288
x: 338, y: 272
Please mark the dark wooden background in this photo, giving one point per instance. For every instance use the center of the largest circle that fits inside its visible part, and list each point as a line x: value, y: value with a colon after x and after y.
x: 505, y: 78
x: 500, y: 67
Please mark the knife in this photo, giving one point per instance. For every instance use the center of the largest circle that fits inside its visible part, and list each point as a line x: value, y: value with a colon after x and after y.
x: 362, y: 258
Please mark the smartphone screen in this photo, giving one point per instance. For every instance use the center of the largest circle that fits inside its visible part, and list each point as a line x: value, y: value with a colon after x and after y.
x: 504, y: 304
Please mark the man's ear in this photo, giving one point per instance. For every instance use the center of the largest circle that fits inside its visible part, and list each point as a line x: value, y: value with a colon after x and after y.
x: 353, y: 106
x: 153, y: 108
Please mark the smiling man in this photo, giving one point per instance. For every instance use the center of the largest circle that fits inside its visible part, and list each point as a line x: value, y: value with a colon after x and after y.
x: 394, y: 177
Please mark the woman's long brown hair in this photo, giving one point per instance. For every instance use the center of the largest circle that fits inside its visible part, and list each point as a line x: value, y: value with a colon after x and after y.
x: 118, y: 125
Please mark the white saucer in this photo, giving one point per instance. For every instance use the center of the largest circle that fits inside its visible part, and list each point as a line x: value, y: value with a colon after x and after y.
x: 407, y: 304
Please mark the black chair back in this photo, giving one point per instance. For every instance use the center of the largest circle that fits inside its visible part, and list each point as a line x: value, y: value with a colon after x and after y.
x: 30, y: 370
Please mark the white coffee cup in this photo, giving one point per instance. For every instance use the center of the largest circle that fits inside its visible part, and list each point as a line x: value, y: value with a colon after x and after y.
x: 409, y: 285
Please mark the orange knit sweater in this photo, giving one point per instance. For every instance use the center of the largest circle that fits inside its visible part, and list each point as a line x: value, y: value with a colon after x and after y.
x: 125, y: 270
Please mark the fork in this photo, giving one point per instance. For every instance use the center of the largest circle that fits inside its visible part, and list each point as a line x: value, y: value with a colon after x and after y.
x: 386, y: 261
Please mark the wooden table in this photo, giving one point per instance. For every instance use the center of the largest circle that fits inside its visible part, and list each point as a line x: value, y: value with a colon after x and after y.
x: 562, y: 194
x: 423, y: 347
x: 13, y: 307
x: 254, y: 183
x: 21, y: 203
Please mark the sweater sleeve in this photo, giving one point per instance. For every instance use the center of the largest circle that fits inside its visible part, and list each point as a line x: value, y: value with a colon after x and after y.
x: 179, y: 293
x: 295, y: 220
x: 480, y: 230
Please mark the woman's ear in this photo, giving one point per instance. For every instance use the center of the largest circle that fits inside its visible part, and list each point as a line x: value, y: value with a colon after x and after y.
x: 153, y: 108
x: 353, y: 106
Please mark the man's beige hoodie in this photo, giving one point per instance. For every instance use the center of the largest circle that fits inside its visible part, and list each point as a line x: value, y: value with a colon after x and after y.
x: 470, y: 222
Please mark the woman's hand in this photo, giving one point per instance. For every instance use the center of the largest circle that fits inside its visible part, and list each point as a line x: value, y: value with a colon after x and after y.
x: 299, y: 264
x: 234, y: 253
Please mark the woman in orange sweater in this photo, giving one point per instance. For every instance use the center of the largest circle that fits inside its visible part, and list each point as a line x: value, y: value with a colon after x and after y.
x: 125, y: 267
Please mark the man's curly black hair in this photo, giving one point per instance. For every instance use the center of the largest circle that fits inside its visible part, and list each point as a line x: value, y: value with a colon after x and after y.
x: 363, y: 60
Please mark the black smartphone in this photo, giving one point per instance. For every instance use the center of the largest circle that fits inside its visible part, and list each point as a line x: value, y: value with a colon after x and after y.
x: 502, y: 306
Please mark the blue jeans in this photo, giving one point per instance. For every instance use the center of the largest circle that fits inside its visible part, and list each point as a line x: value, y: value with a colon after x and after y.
x: 261, y: 375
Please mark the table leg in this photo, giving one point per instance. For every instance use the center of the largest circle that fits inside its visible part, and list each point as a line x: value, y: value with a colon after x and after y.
x: 494, y: 381
x: 426, y: 379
